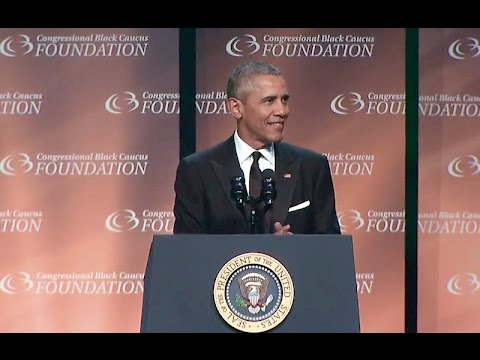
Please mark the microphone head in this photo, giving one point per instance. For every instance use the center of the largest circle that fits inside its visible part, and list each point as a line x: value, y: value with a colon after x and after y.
x: 238, y: 190
x: 268, y: 173
x: 238, y: 180
x: 269, y: 191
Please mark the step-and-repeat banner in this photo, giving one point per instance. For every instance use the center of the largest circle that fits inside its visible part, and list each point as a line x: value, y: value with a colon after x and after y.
x: 89, y: 124
x: 347, y: 101
x: 89, y: 128
x: 449, y: 177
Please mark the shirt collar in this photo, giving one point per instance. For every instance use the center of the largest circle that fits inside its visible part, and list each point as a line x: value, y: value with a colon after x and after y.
x: 244, y: 150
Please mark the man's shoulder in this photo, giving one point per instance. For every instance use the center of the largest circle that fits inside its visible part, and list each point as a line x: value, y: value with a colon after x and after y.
x: 304, y: 153
x: 205, y: 155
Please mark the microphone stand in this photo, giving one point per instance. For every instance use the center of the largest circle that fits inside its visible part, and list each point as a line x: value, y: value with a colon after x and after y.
x: 268, y: 194
x: 253, y: 212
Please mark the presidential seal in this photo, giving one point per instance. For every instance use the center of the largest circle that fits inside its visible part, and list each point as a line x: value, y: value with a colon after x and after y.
x: 253, y: 292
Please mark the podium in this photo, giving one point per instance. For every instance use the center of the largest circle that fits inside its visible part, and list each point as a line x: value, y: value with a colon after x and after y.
x: 314, y: 275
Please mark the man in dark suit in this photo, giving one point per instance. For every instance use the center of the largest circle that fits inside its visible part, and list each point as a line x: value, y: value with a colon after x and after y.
x: 258, y: 99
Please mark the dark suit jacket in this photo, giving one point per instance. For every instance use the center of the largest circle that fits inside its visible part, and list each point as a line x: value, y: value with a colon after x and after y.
x: 203, y: 203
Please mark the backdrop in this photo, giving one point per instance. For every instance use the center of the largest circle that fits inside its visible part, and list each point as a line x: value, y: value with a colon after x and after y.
x: 347, y: 100
x: 89, y: 124
x: 449, y: 174
x: 89, y: 119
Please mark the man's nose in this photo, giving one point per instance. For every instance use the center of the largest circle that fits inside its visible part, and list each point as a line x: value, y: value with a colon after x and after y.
x: 281, y: 109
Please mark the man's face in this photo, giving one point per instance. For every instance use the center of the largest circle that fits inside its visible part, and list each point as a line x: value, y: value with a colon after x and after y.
x: 261, y: 115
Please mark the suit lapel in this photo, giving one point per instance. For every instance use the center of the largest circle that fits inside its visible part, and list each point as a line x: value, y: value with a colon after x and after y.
x: 225, y: 166
x: 287, y: 170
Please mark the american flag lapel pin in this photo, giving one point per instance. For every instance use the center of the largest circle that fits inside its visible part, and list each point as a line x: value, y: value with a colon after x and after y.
x: 287, y: 175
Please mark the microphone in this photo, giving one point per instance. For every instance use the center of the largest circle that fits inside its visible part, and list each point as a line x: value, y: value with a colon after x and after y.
x: 239, y: 190
x: 269, y: 191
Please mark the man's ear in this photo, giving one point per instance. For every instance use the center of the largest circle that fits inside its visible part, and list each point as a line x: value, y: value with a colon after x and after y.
x: 235, y: 107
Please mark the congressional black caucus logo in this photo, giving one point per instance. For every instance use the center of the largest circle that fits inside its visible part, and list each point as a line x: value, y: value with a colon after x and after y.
x: 463, y: 166
x: 253, y: 292
x: 369, y: 104
x: 20, y: 220
x: 461, y: 49
x: 72, y: 283
x: 295, y: 46
x: 351, y: 164
x: 152, y: 102
x: 74, y: 45
x: 148, y: 220
x: 233, y: 48
x: 379, y: 221
x: 449, y: 222
x: 20, y: 103
x: 73, y: 164
x: 463, y: 284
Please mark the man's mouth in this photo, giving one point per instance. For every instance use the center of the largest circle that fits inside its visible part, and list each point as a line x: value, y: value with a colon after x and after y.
x: 276, y: 124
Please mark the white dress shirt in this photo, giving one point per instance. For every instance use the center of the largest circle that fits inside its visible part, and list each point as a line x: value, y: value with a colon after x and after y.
x: 244, y: 155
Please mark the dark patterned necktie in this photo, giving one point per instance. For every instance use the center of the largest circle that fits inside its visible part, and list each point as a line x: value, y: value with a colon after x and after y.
x: 255, y: 176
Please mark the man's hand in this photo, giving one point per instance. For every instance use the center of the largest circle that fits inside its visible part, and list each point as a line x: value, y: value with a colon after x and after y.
x: 279, y: 229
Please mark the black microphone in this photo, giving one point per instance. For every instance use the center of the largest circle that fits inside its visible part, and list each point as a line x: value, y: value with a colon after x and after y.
x: 269, y: 191
x: 239, y: 190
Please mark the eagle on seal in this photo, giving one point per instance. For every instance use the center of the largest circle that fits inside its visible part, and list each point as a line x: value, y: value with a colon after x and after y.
x: 253, y: 288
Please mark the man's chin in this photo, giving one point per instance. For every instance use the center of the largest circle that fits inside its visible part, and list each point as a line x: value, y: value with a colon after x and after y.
x: 275, y: 139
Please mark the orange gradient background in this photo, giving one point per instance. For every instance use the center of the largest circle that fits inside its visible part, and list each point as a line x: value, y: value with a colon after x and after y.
x: 313, y: 83
x: 449, y: 266
x: 73, y: 236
